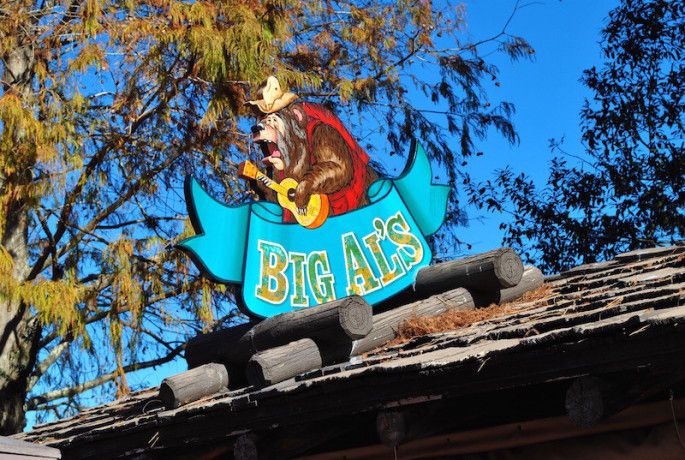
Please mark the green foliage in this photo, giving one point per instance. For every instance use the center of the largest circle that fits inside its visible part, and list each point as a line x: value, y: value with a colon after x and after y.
x: 106, y: 105
x: 628, y: 190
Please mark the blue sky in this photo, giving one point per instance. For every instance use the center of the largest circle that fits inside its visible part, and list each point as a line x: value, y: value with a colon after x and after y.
x: 546, y: 91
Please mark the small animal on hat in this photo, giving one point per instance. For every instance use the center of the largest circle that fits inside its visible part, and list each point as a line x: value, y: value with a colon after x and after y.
x: 307, y: 142
x: 272, y: 97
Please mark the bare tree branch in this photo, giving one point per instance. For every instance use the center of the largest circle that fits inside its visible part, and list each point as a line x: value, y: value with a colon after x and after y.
x: 36, y: 401
x: 44, y: 365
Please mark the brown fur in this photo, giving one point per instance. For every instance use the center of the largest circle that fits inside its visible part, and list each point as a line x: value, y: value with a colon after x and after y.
x: 332, y: 168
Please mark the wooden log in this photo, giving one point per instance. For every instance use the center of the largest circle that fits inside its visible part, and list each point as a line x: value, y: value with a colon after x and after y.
x: 337, y: 322
x: 584, y: 401
x: 192, y: 385
x: 391, y: 428
x: 531, y: 279
x: 222, y: 346
x: 245, y: 447
x: 591, y: 399
x: 342, y: 319
x: 493, y: 270
x: 386, y: 324
x: 281, y: 363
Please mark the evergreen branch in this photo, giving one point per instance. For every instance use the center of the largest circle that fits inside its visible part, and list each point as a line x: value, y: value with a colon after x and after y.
x: 123, y: 198
x: 413, y: 50
x: 71, y: 198
x: 92, y: 225
x: 155, y: 337
x: 102, y: 314
x: 67, y: 207
x: 503, y: 31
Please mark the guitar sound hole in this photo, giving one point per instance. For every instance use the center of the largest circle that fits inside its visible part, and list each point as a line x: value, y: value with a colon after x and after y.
x: 291, y: 194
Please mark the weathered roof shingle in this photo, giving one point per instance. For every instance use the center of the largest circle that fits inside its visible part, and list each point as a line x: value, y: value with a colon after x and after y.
x: 619, y: 317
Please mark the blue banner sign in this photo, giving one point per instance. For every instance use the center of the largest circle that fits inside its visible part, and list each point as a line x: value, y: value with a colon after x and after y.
x: 374, y: 251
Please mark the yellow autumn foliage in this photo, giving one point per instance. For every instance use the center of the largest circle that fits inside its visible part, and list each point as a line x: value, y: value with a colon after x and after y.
x: 54, y: 302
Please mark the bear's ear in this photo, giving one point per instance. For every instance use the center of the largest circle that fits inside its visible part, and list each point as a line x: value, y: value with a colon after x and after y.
x: 298, y: 114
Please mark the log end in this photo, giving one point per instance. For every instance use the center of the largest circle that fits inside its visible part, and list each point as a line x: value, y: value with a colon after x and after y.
x: 585, y: 402
x: 355, y: 317
x: 508, y: 268
x: 391, y: 429
x: 166, y: 395
x: 258, y: 372
x: 245, y: 447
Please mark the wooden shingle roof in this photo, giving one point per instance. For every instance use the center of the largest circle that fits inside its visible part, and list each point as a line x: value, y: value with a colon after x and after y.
x: 14, y: 449
x: 621, y: 321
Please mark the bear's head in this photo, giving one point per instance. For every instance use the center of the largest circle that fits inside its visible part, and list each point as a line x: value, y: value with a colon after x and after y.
x: 282, y: 138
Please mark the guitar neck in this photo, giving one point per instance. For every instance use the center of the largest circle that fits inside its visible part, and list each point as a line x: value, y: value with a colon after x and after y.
x: 272, y: 184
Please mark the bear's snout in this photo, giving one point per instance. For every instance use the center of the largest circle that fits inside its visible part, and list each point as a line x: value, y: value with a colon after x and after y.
x: 264, y: 133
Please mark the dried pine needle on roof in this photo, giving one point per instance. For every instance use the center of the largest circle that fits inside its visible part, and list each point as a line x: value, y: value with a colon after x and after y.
x: 456, y: 319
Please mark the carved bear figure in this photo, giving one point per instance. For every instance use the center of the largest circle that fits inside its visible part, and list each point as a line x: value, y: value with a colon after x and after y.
x: 308, y: 143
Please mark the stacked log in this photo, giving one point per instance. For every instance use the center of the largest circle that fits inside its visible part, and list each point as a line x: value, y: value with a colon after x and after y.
x: 333, y: 325
x: 386, y: 324
x: 283, y: 346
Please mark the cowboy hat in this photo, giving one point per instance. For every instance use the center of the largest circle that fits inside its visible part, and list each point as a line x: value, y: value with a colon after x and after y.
x: 273, y: 98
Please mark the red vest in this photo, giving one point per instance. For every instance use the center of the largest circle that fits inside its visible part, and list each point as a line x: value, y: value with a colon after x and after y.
x: 347, y: 198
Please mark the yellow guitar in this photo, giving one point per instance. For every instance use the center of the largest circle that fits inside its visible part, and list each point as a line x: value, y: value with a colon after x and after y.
x: 312, y: 216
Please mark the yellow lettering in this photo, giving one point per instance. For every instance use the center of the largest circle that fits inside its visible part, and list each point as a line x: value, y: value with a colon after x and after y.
x: 399, y: 232
x: 321, y: 281
x: 372, y: 241
x: 299, y: 297
x: 360, y: 278
x: 273, y: 284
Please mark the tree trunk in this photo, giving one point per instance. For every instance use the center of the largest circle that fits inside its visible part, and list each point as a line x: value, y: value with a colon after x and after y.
x: 19, y: 331
x: 19, y: 334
